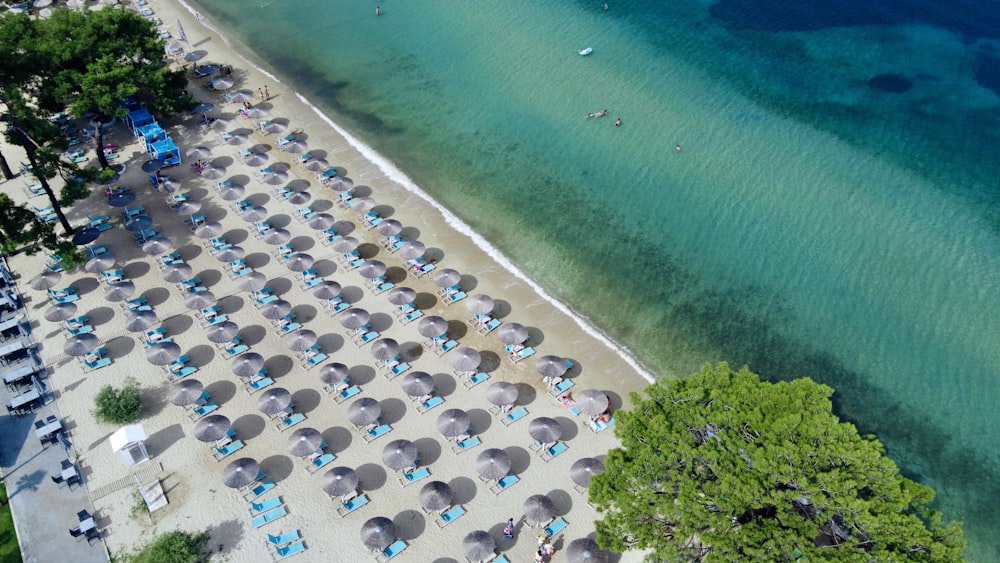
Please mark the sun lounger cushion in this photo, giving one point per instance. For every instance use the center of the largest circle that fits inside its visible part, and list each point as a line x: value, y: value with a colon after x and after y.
x: 350, y: 392
x: 322, y: 460
x: 229, y: 449
x: 467, y: 444
x: 414, y: 476
x: 266, y: 505
x: 291, y: 421
x: 269, y: 516
x: 290, y: 550
x: 454, y: 513
x: 555, y: 527
x: 99, y: 363
x: 380, y: 431
x: 598, y: 426
x: 261, y: 489
x: 555, y: 450
x: 505, y: 483
x: 477, y: 379
x: 400, y: 368
x: 515, y: 415
x: 395, y: 549
x: 353, y: 504
x: 236, y: 350
x: 282, y: 539
x: 431, y: 403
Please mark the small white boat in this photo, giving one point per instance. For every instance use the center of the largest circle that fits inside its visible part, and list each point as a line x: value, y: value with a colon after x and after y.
x: 587, y: 51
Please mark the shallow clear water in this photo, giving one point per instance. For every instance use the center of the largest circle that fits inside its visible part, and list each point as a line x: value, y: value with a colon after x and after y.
x: 831, y: 214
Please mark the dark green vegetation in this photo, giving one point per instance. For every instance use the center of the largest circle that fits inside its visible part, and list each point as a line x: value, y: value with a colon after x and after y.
x: 10, y: 552
x: 118, y: 406
x: 720, y: 466
x: 82, y: 63
x: 172, y: 547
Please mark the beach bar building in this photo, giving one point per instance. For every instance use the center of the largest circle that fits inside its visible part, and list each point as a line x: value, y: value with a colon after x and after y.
x: 131, y: 442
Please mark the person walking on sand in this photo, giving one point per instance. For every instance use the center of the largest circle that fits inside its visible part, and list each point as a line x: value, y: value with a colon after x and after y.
x: 508, y: 530
x: 260, y: 91
x: 267, y: 95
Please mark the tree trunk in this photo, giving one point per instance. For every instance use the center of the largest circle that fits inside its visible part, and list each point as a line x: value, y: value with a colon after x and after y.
x: 5, y: 168
x: 29, y: 149
x: 99, y: 139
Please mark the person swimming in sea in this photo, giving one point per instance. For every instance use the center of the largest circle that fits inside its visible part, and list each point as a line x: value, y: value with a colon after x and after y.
x: 589, y: 115
x: 618, y: 122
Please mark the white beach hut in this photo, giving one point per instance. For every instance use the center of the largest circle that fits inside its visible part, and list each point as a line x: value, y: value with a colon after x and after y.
x: 131, y: 442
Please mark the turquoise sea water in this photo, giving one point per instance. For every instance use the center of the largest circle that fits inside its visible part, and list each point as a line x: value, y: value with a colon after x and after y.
x: 832, y: 212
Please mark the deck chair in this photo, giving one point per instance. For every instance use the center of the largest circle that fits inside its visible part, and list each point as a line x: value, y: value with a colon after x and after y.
x: 514, y: 416
x: 466, y: 445
x: 476, y: 380
x: 346, y: 394
x: 393, y: 550
x: 286, y: 423
x: 557, y: 526
x: 505, y: 483
x: 264, y: 506
x: 598, y: 426
x: 269, y: 517
x: 453, y: 513
x: 289, y: 550
x: 549, y: 453
x: 352, y: 505
x: 376, y: 433
x: 258, y: 490
x: 320, y: 462
x: 429, y: 404
x: 409, y: 478
x: 221, y: 453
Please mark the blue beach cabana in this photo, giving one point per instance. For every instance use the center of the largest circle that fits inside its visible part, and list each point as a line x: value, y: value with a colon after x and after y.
x: 137, y: 118
x: 166, y: 151
x: 151, y: 133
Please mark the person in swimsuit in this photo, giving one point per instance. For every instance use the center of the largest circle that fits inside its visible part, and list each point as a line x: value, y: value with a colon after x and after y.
x: 618, y: 122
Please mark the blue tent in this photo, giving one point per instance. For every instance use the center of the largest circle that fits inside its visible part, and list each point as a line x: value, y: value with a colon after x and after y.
x: 166, y: 151
x: 138, y: 118
x: 151, y: 133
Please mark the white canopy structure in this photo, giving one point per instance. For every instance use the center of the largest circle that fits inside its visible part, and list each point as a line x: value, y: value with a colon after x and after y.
x: 131, y: 442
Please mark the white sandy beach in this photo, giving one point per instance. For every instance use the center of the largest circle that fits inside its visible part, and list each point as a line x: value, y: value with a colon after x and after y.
x: 198, y: 499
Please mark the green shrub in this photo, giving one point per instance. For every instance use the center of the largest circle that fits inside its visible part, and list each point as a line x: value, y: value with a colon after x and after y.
x: 173, y: 547
x: 119, y: 406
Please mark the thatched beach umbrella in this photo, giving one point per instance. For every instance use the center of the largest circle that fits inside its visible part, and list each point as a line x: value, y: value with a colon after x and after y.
x: 185, y: 392
x: 493, y: 463
x: 209, y: 229
x: 277, y: 236
x: 344, y: 228
x: 362, y: 204
x: 80, y: 344
x: 156, y: 246
x: 447, y: 277
x: 551, y: 366
x: 275, y: 309
x: 274, y: 400
x: 466, y: 359
x: 545, y: 429
x: 60, y: 312
x: 119, y: 291
x: 389, y: 227
x: 254, y: 214
x: 237, y: 139
x: 222, y: 332
x: 453, y: 422
x: 199, y: 300
x: 398, y: 454
x: 432, y: 326
x: 384, y: 349
x: 341, y: 184
x: 241, y: 472
x: 321, y: 221
x: 304, y: 441
x: 220, y: 125
x: 121, y: 199
x: 584, y: 469
x: 436, y: 495
x: 417, y: 383
x: 326, y: 289
x: 276, y: 127
x: 340, y: 481
x: 232, y: 192
x: 257, y: 112
x: 479, y: 303
x: 163, y: 353
x: 512, y: 333
x: 299, y: 198
x: 333, y: 374
x: 187, y: 207
x: 372, y: 269
x: 592, y: 402
x: 213, y: 172
x: 354, y: 318
x: 178, y: 273
x: 256, y: 159
x: 222, y: 83
x: 295, y: 146
x: 275, y: 178
x: 252, y: 281
x: 230, y: 254
x: 300, y: 262
x: 300, y: 340
x: 211, y: 428
x: 412, y: 249
x: 140, y: 321
x: 138, y: 223
x: 240, y: 96
x: 317, y: 164
x: 401, y: 295
x: 539, y: 509
x: 377, y: 533
x: 345, y: 244
x: 585, y: 550
x: 248, y: 364
x: 100, y: 263
x: 45, y: 280
x: 501, y: 393
x: 479, y: 545
x: 364, y: 411
x: 198, y: 153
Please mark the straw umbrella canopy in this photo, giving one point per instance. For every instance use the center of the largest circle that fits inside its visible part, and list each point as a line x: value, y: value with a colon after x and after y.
x: 232, y: 192
x: 585, y: 550
x: 551, y: 366
x: 299, y: 198
x: 222, y: 332
x: 593, y: 402
x: 493, y: 463
x: 248, y: 364
x: 317, y: 164
x: 377, y: 533
x: 222, y: 83
x: 199, y: 153
x: 178, y: 273
x: 401, y: 295
x: 121, y: 199
x: 140, y: 321
x: 138, y: 223
x: 539, y: 508
x: 453, y: 422
x: 220, y: 125
x: 277, y: 236
x: 275, y: 309
x: 583, y: 469
x: 185, y: 392
x: 45, y: 280
x: 80, y: 344
x: 237, y: 139
x: 99, y: 263
x: 479, y: 545
x: 345, y: 244
x: 432, y: 326
x: 304, y: 441
x: 241, y: 472
x: 344, y: 228
x: 512, y: 333
x: 362, y: 204
x: 545, y: 429
x: 240, y: 96
x: 372, y: 269
x: 208, y: 229
x: 300, y: 340
x: 479, y: 303
x: 274, y: 400
x: 230, y: 254
x: 447, y: 277
x: 199, y: 300
x: 252, y: 281
x: 354, y: 318
x: 256, y: 159
x: 276, y: 127
x: 156, y: 246
x: 295, y: 146
x: 341, y: 184
x: 326, y: 289
x: 163, y: 353
x: 187, y: 207
x: 332, y: 374
x: 465, y: 359
x: 364, y: 411
x: 86, y: 235
x: 436, y: 495
x: 389, y: 227
x: 211, y: 428
x: 340, y: 481
x: 417, y: 383
x: 257, y: 112
x: 119, y: 291
x: 501, y: 393
x: 384, y: 349
x: 300, y: 262
x: 398, y: 454
x: 321, y: 221
x: 254, y: 214
x: 213, y: 172
x: 275, y: 178
x: 412, y: 249
x: 60, y: 312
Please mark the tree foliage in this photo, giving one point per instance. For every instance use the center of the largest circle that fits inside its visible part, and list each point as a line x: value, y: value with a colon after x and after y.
x: 173, y: 547
x: 118, y: 406
x: 723, y: 467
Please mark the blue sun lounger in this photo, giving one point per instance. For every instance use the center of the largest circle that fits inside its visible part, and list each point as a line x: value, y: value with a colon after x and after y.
x: 289, y: 550
x: 466, y: 444
x: 429, y: 404
x: 514, y: 416
x: 320, y: 462
x: 377, y: 433
x: 476, y: 380
x: 346, y: 394
x: 554, y: 451
x: 221, y: 453
x: 558, y: 525
x: 414, y: 476
x: 281, y: 539
x: 505, y: 483
x: 269, y: 516
x: 393, y: 550
x: 286, y: 423
x: 454, y: 513
x: 259, y: 490
x: 598, y: 426
x: 264, y: 506
x: 352, y: 505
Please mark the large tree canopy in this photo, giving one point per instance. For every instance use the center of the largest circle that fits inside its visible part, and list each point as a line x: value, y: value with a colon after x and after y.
x: 721, y: 466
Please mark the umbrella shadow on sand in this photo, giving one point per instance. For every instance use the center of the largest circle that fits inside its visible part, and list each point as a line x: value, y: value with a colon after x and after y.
x: 85, y: 286
x: 444, y: 384
x: 177, y: 325
x: 136, y: 270
x: 159, y: 442
x: 371, y: 477
x: 279, y: 366
x: 393, y: 411
x: 249, y: 426
x: 489, y: 361
x: 464, y: 490
x: 330, y: 343
x: 338, y: 438
x: 119, y: 347
x: 430, y: 450
x: 252, y: 335
x: 570, y: 429
x: 520, y: 459
x: 277, y: 467
x: 526, y: 394
x: 306, y: 400
x: 101, y: 316
x: 410, y: 524
x: 221, y: 391
x: 362, y: 374
x: 480, y: 420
